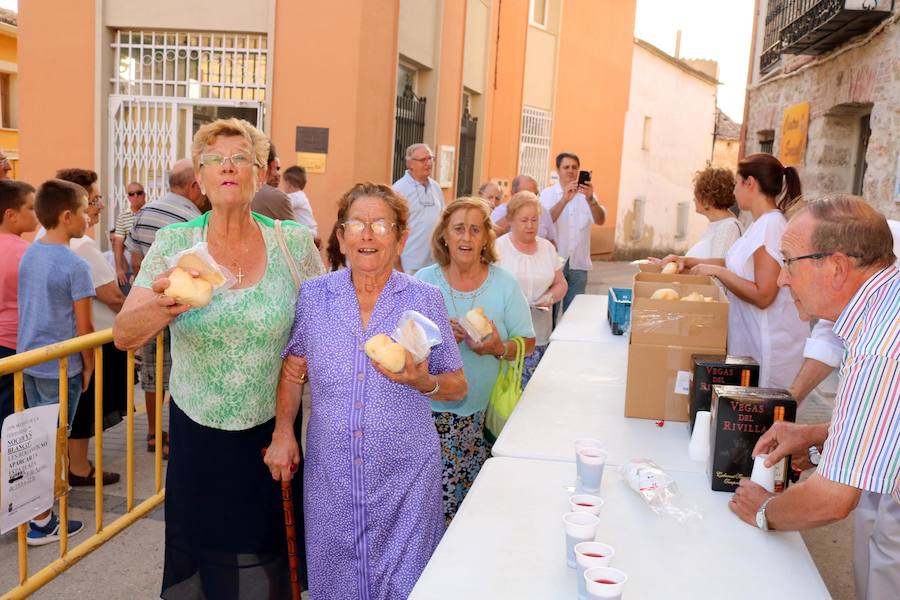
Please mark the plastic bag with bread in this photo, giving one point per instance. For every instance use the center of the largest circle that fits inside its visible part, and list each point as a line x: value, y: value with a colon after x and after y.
x: 197, y: 291
x: 417, y: 333
x: 476, y: 324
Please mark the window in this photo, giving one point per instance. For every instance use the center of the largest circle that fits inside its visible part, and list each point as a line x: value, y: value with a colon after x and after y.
x: 534, y: 145
x: 5, y: 102
x: 645, y: 138
x: 766, y: 141
x: 859, y: 168
x: 539, y: 13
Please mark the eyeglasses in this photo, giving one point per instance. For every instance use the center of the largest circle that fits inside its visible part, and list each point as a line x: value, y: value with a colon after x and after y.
x: 96, y: 201
x: 428, y: 158
x: 214, y: 159
x: 817, y: 256
x: 379, y: 227
x: 132, y: 194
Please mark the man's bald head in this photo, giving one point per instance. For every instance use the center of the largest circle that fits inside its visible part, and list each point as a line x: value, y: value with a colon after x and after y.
x: 181, y: 175
x: 523, y: 183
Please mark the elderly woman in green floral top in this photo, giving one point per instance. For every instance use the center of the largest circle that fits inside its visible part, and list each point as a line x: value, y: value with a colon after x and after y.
x: 224, y: 520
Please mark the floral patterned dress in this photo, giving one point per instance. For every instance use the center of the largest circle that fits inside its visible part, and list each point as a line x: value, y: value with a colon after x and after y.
x: 372, y: 471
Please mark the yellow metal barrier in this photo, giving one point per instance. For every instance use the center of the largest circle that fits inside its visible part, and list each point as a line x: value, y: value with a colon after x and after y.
x: 15, y: 365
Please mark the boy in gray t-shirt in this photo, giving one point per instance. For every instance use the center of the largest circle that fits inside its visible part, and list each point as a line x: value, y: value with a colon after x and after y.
x: 55, y: 291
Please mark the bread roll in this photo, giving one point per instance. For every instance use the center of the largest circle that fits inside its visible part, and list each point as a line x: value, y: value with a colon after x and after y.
x: 693, y: 297
x: 187, y: 289
x: 479, y: 322
x: 670, y: 269
x: 665, y: 294
x: 386, y: 352
x: 192, y: 261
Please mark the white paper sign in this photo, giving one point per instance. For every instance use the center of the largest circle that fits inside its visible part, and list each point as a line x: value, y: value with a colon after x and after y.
x: 28, y: 441
x: 683, y: 382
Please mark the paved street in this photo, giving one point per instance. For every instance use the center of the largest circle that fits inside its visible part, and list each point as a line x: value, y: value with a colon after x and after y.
x: 130, y: 565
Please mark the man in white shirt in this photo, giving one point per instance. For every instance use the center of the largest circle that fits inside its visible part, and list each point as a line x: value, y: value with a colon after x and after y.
x: 574, y: 208
x: 293, y: 183
x: 524, y: 183
x: 426, y: 202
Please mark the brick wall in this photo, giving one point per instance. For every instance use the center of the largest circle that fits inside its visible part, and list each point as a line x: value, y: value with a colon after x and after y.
x: 864, y: 80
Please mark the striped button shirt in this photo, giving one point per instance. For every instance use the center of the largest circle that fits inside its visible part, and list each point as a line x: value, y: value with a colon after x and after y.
x: 124, y: 222
x: 171, y: 208
x: 863, y: 445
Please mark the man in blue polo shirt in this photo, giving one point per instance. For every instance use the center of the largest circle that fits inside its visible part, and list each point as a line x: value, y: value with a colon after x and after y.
x: 426, y: 201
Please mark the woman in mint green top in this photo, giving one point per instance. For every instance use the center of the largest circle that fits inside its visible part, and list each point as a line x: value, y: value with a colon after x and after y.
x: 224, y: 516
x: 463, y: 248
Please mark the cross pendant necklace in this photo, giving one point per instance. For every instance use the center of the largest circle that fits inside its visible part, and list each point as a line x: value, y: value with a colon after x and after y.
x: 240, y: 273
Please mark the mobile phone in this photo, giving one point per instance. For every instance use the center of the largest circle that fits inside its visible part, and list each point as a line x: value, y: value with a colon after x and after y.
x: 584, y: 177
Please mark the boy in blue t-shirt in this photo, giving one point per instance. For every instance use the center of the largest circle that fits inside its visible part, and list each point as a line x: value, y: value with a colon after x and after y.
x: 55, y: 291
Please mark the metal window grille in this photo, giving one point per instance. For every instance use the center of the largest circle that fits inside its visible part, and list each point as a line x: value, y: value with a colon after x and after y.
x: 767, y: 146
x: 410, y: 127
x: 166, y: 84
x: 181, y: 64
x: 534, y: 144
x: 468, y: 132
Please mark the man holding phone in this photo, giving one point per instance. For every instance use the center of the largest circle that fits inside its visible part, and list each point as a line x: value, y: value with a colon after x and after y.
x: 574, y: 208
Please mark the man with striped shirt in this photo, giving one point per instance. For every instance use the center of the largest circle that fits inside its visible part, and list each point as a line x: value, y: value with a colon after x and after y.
x: 183, y: 203
x: 839, y: 265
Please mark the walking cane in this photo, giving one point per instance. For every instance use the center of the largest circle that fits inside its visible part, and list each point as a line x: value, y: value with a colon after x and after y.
x: 287, y: 503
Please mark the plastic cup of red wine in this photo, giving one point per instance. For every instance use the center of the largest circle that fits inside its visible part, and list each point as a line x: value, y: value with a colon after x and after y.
x: 604, y: 583
x: 586, y: 503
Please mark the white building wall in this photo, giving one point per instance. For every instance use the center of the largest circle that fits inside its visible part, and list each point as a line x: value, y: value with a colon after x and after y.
x: 682, y: 109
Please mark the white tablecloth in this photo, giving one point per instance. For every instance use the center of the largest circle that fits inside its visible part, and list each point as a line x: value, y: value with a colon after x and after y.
x: 507, y: 542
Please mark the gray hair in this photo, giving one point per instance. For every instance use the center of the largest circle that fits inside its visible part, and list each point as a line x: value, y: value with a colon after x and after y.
x: 181, y: 175
x: 411, y: 150
x: 848, y: 224
x: 484, y: 186
x: 519, y: 180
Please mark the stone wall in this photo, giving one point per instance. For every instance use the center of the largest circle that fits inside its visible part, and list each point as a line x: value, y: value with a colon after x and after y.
x: 841, y: 91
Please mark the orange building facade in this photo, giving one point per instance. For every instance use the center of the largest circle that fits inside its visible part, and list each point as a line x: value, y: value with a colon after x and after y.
x: 495, y: 88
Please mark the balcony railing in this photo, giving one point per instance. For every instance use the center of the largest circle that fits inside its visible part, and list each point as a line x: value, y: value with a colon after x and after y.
x: 816, y: 26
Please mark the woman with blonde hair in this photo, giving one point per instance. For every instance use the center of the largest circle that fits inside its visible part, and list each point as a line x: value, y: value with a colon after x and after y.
x: 225, y: 535
x: 464, y: 270
x: 536, y: 266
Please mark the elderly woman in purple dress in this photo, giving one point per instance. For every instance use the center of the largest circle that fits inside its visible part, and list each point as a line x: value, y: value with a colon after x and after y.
x: 372, y: 470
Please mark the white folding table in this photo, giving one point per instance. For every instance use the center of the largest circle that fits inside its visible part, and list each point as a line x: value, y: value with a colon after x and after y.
x: 507, y: 542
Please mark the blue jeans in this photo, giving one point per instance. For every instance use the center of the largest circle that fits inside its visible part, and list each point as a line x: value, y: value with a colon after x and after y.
x: 577, y: 280
x: 40, y: 391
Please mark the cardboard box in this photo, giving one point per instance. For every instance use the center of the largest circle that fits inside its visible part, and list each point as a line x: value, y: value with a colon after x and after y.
x: 717, y: 369
x: 676, y: 322
x: 658, y: 383
x: 657, y: 277
x: 740, y: 415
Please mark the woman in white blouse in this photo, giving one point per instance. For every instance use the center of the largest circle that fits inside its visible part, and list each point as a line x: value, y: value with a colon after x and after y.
x: 713, y: 198
x: 762, y: 319
x: 536, y: 266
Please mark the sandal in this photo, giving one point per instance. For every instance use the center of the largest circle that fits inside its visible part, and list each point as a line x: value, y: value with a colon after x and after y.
x: 89, y: 479
x: 151, y: 444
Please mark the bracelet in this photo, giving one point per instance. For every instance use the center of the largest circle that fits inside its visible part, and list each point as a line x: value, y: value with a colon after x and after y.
x: 437, y: 387
x: 502, y: 355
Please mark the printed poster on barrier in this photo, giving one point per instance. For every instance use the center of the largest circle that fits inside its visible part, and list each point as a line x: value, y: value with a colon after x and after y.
x: 28, y: 442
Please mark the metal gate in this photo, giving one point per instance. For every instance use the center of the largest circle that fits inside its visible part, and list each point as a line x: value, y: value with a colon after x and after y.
x: 166, y: 84
x: 534, y: 146
x: 409, y: 129
x: 468, y: 131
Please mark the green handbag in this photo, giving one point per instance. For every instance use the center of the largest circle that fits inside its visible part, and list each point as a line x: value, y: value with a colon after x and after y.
x: 506, y: 392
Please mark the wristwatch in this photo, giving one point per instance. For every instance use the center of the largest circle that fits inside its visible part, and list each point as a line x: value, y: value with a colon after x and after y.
x: 761, y: 520
x: 814, y: 455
